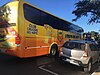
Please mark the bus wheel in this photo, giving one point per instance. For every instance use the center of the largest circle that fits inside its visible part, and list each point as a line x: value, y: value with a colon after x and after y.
x: 54, y: 51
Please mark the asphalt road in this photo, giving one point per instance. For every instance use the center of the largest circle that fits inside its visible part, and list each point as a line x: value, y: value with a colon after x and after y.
x: 44, y: 65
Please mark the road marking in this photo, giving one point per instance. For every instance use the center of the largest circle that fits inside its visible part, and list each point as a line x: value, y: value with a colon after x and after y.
x: 41, y: 67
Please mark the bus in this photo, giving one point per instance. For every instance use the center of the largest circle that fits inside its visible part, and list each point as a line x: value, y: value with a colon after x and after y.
x: 28, y: 31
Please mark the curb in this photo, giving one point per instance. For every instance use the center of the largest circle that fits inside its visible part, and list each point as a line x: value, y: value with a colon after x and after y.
x: 96, y: 73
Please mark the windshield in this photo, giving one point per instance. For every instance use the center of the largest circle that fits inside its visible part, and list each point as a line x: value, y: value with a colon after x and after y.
x: 74, y: 45
x: 9, y: 12
x: 5, y: 11
x: 4, y: 16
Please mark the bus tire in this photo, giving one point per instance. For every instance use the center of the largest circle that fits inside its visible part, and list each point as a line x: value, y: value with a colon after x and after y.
x: 54, y: 51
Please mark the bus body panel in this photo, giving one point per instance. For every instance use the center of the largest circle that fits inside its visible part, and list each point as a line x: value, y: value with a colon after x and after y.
x: 8, y: 28
x: 31, y: 39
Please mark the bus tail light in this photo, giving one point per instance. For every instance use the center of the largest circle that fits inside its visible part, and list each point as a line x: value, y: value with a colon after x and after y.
x: 17, y: 40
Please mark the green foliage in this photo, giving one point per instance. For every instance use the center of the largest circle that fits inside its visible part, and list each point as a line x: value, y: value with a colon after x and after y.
x: 93, y: 33
x: 86, y: 8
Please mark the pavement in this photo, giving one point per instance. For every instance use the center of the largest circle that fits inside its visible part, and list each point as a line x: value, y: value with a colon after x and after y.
x: 43, y: 65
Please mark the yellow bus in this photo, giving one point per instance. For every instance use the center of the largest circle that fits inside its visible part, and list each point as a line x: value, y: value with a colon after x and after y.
x: 27, y: 31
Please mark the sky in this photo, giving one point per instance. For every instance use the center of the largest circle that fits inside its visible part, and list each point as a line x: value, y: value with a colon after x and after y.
x: 62, y: 9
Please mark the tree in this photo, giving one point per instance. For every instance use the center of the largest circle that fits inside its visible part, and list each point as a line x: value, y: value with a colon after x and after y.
x: 89, y: 8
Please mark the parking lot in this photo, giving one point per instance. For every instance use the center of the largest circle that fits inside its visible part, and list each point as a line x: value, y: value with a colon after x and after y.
x: 44, y: 65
